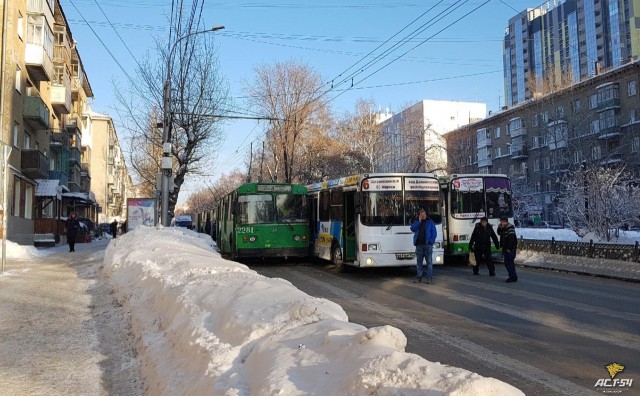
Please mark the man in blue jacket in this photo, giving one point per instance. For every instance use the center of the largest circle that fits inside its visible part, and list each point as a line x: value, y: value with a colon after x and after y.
x: 424, y: 236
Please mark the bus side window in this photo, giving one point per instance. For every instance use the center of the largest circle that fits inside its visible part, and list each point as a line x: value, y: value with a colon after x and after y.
x: 324, y: 206
x: 336, y: 205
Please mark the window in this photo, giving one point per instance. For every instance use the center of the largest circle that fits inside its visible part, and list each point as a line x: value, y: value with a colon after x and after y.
x: 16, y: 130
x: 595, y: 152
x: 28, y: 201
x: 560, y: 111
x: 325, y: 207
x: 536, y: 165
x: 576, y: 106
x: 336, y: 205
x: 498, y: 153
x: 632, y: 88
x: 547, y: 163
x: 534, y: 120
x: 497, y: 132
x: 593, y: 101
x: 545, y: 117
x: 17, y: 183
x: 20, y: 26
x: 18, y: 79
x: 577, y: 157
x: 27, y: 141
x: 595, y: 126
x: 536, y: 141
x: 469, y: 160
x: 635, y: 144
x: 507, y: 131
x: 291, y: 208
x: 256, y: 209
x: 537, y: 187
x: 633, y: 116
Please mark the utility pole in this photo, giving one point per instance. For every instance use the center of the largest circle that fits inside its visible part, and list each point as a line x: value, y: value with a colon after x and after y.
x: 250, y: 163
x: 167, y: 164
x: 6, y: 149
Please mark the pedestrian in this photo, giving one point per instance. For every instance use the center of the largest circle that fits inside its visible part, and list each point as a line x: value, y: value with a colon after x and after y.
x: 123, y: 228
x: 480, y: 246
x: 73, y: 226
x: 114, y: 228
x: 424, y: 236
x: 509, y: 245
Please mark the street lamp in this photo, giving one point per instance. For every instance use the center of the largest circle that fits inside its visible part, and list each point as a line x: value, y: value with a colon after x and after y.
x: 166, y: 164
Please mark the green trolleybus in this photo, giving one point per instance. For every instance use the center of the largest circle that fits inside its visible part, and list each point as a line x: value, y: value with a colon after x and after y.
x: 468, y: 198
x: 263, y: 220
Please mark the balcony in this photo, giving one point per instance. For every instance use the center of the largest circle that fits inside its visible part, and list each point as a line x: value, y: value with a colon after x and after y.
x: 86, y: 169
x: 35, y: 112
x: 612, y: 158
x: 608, y: 104
x: 38, y: 62
x: 61, y: 91
x: 559, y: 169
x: 41, y: 7
x: 59, y: 175
x: 485, y: 162
x: 74, y: 156
x: 483, y: 138
x: 75, y: 180
x: 34, y: 164
x: 73, y: 123
x: 61, y: 54
x: 610, y: 127
x: 517, y: 132
x: 519, y: 153
x: 59, y: 139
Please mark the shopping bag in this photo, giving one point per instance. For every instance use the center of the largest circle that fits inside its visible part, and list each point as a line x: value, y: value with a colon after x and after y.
x: 472, y: 260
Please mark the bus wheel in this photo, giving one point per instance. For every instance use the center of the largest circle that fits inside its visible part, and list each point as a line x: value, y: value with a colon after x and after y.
x: 336, y: 259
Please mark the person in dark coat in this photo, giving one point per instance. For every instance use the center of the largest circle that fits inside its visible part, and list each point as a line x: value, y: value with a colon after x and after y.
x: 480, y: 245
x: 509, y: 245
x: 207, y: 227
x: 73, y: 227
x: 123, y: 228
x: 114, y: 228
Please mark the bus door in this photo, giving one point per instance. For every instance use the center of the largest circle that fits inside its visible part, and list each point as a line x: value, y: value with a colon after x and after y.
x: 350, y: 216
x: 313, y: 218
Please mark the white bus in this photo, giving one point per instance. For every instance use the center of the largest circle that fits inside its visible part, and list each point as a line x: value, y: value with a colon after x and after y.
x: 468, y: 198
x: 363, y: 220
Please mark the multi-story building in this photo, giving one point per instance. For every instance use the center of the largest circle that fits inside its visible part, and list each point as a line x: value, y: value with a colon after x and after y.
x: 595, y: 122
x: 413, y: 138
x: 44, y: 116
x: 110, y: 181
x: 565, y: 41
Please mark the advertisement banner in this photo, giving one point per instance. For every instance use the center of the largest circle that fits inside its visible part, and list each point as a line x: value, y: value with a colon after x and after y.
x: 421, y: 184
x: 141, y: 211
x: 468, y: 184
x: 382, y: 184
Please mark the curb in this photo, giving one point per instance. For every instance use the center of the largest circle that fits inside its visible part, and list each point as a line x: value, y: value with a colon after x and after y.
x: 577, y: 272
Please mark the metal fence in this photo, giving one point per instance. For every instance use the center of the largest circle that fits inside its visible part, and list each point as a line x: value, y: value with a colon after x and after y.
x: 582, y: 249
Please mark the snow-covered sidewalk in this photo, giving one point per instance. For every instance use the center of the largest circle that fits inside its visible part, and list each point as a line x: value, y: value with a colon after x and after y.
x: 615, y: 269
x: 62, y: 331
x: 209, y: 326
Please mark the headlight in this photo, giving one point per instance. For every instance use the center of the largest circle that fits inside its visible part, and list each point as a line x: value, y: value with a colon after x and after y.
x: 437, y: 245
x: 296, y: 238
x: 438, y: 259
x: 369, y: 261
x: 463, y: 237
x: 252, y: 238
x: 373, y: 246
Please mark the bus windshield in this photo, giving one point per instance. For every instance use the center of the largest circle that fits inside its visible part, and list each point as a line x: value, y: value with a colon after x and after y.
x: 291, y: 208
x: 256, y: 209
x: 467, y: 204
x: 382, y: 208
x: 428, y: 200
x: 498, y: 191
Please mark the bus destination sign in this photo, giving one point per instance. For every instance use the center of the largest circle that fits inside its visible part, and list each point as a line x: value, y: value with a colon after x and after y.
x: 382, y: 184
x: 274, y: 188
x: 468, y: 184
x: 420, y: 184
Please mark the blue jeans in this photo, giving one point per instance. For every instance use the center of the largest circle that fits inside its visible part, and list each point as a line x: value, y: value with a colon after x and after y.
x: 509, y: 258
x: 424, y: 252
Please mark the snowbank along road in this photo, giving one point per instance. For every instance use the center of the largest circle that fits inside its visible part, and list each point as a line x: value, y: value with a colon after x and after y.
x: 208, y: 326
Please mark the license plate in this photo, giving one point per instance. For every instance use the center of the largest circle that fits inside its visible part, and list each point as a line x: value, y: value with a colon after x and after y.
x: 405, y: 256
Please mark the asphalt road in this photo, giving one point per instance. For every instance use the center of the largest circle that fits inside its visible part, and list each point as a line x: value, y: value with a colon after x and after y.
x: 547, y: 334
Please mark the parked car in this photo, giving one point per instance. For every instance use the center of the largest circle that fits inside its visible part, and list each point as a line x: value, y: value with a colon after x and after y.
x: 183, y: 221
x: 548, y: 224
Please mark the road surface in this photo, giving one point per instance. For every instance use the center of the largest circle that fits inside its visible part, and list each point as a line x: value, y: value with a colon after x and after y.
x: 547, y: 334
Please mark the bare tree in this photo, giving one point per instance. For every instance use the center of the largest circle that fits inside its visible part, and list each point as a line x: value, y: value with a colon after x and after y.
x: 362, y: 132
x: 198, y: 93
x: 289, y: 94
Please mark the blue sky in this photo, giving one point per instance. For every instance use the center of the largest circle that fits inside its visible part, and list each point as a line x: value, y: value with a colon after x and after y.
x: 329, y: 35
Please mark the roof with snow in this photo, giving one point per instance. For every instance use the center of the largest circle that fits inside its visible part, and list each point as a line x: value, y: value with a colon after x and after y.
x: 49, y: 188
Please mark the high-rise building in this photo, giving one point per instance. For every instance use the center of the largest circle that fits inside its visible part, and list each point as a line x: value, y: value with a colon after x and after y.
x: 562, y: 42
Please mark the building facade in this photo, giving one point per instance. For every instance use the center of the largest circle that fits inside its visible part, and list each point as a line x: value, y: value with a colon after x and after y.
x: 413, y: 138
x: 110, y: 181
x: 563, y: 42
x: 538, y: 143
x: 44, y: 99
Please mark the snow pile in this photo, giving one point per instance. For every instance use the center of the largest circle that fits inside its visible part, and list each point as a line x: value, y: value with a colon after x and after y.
x: 206, y: 325
x: 623, y: 238
x: 16, y: 251
x: 562, y: 234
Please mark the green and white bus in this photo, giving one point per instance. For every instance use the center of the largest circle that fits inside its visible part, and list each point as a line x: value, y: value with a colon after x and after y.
x: 468, y: 198
x: 263, y: 220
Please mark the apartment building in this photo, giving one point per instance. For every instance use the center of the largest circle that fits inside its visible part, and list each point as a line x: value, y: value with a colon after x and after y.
x: 110, y: 181
x: 595, y: 122
x: 45, y: 114
x: 562, y: 42
x: 413, y: 138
